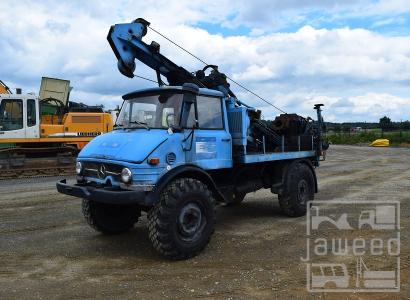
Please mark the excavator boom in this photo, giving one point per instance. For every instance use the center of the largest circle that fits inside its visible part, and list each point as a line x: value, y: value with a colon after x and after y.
x: 4, y: 89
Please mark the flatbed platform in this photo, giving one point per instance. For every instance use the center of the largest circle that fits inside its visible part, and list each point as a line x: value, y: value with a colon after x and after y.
x: 272, y: 156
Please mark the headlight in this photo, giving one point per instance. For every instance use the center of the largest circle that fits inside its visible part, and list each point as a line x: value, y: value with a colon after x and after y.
x: 78, y: 167
x: 126, y: 175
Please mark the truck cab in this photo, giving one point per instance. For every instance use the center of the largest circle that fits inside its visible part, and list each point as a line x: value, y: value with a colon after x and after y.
x: 158, y: 130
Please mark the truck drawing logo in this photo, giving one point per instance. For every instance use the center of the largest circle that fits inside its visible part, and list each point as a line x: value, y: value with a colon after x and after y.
x: 326, y: 273
x: 381, y: 218
x: 374, y: 279
x: 341, y: 223
x: 354, y: 232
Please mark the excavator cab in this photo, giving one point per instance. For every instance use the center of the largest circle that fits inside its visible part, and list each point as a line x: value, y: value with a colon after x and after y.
x: 21, y: 115
x: 11, y: 114
x: 18, y: 117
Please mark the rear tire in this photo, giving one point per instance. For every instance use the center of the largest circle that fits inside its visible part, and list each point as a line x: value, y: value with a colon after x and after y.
x: 110, y: 218
x: 299, y: 189
x: 181, y: 224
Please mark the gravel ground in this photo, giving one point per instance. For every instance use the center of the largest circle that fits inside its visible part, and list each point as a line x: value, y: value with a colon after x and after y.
x: 48, y: 252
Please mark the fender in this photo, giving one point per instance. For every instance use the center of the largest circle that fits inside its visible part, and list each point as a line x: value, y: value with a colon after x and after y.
x: 191, y: 171
x: 302, y: 161
x: 278, y: 188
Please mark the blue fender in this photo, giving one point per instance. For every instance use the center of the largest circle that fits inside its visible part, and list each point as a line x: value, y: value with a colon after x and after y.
x: 188, y: 171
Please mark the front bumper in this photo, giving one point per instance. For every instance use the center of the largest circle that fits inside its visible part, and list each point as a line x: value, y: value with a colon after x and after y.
x: 103, y: 195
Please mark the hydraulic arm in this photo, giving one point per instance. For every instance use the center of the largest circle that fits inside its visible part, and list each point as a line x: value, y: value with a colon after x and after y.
x: 126, y: 42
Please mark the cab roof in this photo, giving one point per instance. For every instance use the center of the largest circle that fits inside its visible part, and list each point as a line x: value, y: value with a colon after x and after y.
x: 170, y: 89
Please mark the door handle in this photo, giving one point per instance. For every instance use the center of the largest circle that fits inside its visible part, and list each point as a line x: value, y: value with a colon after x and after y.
x: 1, y: 132
x: 226, y: 140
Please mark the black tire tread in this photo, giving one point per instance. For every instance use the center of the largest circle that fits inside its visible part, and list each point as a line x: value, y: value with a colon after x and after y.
x: 287, y: 200
x: 91, y: 219
x: 159, y: 217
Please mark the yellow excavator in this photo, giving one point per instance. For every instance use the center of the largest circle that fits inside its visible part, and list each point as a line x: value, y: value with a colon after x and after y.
x: 34, y: 130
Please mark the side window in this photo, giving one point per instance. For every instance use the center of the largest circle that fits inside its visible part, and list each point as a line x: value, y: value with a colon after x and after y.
x: 209, y: 113
x: 31, y: 112
x: 11, y: 114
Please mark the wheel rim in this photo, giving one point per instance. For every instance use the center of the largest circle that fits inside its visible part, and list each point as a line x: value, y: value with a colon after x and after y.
x: 303, y: 191
x: 191, y: 222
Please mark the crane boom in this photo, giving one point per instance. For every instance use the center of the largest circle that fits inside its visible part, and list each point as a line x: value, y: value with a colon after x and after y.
x: 126, y: 42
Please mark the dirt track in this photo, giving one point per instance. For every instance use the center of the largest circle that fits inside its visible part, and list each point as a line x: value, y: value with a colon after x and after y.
x: 48, y: 252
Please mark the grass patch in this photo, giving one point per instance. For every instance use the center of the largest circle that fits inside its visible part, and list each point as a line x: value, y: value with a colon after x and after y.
x: 396, y: 138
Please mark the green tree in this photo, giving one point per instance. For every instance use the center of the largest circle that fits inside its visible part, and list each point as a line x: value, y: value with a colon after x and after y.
x: 385, y: 123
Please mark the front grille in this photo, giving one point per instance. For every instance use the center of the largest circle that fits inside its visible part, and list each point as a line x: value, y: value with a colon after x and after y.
x: 102, y: 170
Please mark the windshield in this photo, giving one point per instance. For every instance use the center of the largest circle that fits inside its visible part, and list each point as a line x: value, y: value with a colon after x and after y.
x: 154, y: 111
x: 11, y: 114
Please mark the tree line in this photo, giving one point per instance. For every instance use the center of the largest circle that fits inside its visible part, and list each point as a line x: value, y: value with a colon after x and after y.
x: 385, y: 124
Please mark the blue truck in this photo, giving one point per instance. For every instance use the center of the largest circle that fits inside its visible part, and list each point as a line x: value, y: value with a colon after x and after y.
x: 180, y: 149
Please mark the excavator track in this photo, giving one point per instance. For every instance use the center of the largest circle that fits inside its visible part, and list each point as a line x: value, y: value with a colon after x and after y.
x: 36, y: 172
x: 18, y: 165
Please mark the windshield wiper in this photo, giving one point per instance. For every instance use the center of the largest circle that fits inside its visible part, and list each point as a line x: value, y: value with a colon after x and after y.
x: 117, y: 126
x: 140, y: 123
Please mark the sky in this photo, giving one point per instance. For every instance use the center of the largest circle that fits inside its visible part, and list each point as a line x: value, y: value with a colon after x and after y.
x: 351, y: 55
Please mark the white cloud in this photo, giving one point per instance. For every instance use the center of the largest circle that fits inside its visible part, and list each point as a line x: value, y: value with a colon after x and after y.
x: 355, y: 72
x: 387, y: 7
x: 389, y: 21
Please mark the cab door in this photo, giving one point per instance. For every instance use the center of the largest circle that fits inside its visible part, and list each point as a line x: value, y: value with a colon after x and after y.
x: 212, y: 142
x: 32, y: 119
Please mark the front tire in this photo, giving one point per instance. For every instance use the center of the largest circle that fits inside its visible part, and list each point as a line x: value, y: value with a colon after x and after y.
x: 110, y: 218
x: 299, y: 189
x: 181, y: 224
